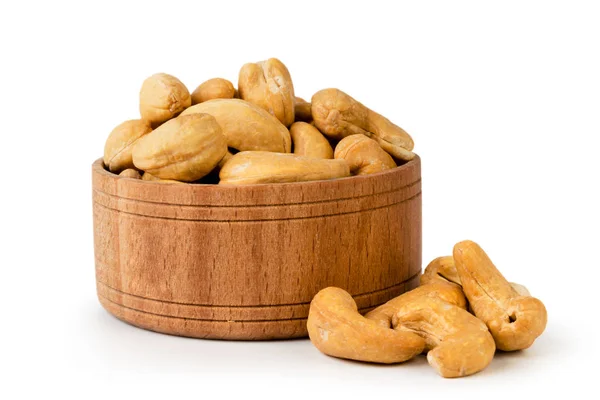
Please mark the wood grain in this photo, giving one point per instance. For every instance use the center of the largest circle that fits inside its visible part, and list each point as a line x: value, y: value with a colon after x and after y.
x: 243, y: 262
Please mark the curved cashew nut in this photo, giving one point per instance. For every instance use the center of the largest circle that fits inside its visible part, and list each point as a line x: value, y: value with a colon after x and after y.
x: 459, y: 344
x: 338, y: 115
x: 183, y: 149
x: 245, y: 125
x: 252, y: 167
x: 337, y: 329
x: 515, y: 321
x: 309, y: 142
x: 363, y: 155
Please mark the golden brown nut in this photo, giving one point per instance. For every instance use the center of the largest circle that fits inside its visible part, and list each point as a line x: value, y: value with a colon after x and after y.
x: 338, y: 115
x: 443, y: 268
x: 302, y: 110
x: 117, y: 150
x: 184, y: 149
x: 216, y: 88
x: 450, y: 293
x: 151, y: 178
x: 363, y: 155
x: 309, y: 142
x: 515, y: 321
x: 337, y: 329
x: 131, y: 173
x: 268, y: 84
x: 163, y: 97
x: 250, y: 167
x: 459, y: 344
x: 246, y: 126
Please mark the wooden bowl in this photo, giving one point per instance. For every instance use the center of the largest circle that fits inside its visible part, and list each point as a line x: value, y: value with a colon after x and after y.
x: 227, y: 262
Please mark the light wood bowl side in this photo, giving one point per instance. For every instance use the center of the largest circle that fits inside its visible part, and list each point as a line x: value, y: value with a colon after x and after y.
x: 244, y: 262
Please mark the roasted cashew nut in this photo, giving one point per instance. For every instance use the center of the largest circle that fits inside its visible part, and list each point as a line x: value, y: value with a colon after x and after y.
x: 338, y: 115
x: 515, y: 321
x: 337, y: 329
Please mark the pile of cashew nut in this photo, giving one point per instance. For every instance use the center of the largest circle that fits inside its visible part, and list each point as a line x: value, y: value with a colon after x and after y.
x: 259, y: 133
x: 463, y: 310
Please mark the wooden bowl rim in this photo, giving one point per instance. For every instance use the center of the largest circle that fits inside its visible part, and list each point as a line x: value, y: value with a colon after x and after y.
x: 269, y: 193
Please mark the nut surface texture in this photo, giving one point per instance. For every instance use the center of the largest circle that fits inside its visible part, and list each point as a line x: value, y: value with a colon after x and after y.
x: 515, y: 321
x: 162, y: 97
x: 216, y: 88
x: 309, y: 142
x: 268, y: 84
x: 337, y: 329
x: 338, y: 115
x: 450, y: 293
x: 118, y: 146
x: 184, y: 149
x: 459, y: 343
x: 363, y: 155
x: 245, y: 125
x: 251, y: 167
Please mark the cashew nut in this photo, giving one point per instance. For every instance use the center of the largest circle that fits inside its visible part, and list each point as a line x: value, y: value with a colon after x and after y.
x: 162, y: 97
x: 337, y: 329
x: 268, y: 84
x: 184, y: 149
x: 515, y: 321
x: 309, y: 142
x: 216, y: 88
x: 246, y: 126
x: 248, y: 167
x: 363, y: 155
x: 120, y: 142
x: 338, y: 115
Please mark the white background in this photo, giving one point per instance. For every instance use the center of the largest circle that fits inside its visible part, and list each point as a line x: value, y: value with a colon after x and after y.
x: 502, y: 99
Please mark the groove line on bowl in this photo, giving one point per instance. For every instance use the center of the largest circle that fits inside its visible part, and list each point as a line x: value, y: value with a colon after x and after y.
x: 279, y: 219
x: 255, y: 306
x: 198, y: 319
x: 284, y: 204
x: 264, y: 212
x: 361, y: 310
